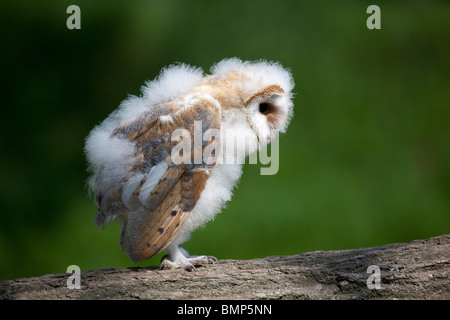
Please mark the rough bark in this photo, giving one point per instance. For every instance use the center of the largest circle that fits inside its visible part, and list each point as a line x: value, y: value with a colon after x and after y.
x: 415, y: 270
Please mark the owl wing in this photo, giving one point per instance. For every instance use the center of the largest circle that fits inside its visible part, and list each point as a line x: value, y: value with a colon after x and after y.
x: 167, y: 179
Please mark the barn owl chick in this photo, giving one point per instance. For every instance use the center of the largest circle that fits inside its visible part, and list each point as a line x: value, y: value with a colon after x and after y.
x: 160, y: 164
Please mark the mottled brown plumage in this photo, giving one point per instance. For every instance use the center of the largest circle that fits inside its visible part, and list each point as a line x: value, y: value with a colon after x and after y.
x: 179, y: 189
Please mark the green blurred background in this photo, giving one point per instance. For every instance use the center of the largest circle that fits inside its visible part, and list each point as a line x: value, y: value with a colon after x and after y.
x: 365, y: 161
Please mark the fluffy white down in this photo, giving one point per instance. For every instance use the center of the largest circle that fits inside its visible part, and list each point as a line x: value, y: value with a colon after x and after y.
x: 218, y: 191
x: 172, y: 82
x: 115, y: 155
x: 262, y: 72
x: 112, y: 154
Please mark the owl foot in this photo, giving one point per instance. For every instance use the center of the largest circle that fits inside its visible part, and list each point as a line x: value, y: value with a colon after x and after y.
x: 188, y: 264
x: 181, y: 260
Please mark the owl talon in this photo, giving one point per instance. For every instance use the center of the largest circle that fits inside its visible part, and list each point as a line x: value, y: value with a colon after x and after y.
x: 207, y: 259
x: 190, y: 267
x: 212, y: 260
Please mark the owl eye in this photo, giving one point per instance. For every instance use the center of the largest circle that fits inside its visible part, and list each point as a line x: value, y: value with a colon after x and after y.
x: 264, y: 108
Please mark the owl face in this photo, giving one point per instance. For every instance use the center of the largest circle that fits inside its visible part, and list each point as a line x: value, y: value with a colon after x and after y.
x: 268, y: 113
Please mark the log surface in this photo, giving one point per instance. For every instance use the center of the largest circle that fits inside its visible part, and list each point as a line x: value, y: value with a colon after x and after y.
x: 416, y: 270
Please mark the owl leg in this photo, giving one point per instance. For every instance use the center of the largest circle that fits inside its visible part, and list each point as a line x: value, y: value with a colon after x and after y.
x: 178, y: 258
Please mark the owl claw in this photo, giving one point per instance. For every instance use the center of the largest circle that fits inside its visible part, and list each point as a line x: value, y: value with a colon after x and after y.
x: 190, y: 267
x: 187, y: 263
x: 168, y: 265
x: 201, y: 260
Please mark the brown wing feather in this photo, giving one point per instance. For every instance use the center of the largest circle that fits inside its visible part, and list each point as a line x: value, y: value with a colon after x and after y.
x: 165, y: 221
x: 153, y: 225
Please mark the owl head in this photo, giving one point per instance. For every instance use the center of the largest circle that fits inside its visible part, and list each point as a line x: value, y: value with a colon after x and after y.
x: 258, y: 102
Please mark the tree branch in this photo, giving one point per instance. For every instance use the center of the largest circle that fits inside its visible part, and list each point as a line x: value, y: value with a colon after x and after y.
x: 415, y: 270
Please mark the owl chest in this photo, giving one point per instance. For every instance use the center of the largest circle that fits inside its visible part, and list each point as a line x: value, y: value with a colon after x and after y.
x: 217, y: 192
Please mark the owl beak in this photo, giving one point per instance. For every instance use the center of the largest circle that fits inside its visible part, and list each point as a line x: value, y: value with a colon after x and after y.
x: 271, y: 136
x: 252, y: 126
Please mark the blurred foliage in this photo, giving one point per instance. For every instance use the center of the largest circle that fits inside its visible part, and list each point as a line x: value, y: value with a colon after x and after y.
x: 365, y: 161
